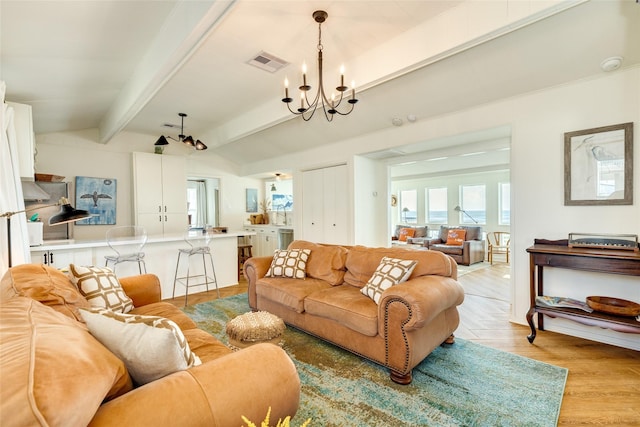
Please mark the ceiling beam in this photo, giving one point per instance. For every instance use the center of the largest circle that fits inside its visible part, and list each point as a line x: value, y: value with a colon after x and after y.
x: 373, y: 67
x: 186, y: 28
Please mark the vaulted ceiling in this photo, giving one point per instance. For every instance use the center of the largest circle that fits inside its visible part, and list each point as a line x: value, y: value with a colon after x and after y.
x: 134, y: 65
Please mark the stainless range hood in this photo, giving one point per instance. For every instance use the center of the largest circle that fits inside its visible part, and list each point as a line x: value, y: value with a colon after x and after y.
x: 32, y: 192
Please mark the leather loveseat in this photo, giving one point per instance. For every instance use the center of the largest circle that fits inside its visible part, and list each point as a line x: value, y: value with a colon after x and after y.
x: 410, y: 320
x: 469, y: 251
x: 55, y: 373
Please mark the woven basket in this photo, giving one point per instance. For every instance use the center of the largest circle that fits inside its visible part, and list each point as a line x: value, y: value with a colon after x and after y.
x: 254, y: 327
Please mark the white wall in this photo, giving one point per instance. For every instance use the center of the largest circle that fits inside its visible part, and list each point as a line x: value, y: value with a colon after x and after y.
x: 371, y: 202
x: 538, y: 121
x: 72, y: 154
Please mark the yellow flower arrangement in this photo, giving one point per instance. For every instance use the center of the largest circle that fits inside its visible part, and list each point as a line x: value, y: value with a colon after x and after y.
x: 281, y: 423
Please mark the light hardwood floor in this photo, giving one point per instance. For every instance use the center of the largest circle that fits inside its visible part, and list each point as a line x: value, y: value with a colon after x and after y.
x: 603, y: 386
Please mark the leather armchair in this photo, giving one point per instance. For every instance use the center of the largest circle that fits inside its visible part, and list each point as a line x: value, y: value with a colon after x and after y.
x: 470, y: 252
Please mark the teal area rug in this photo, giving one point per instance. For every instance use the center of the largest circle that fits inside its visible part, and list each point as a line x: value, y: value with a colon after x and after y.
x: 465, y: 384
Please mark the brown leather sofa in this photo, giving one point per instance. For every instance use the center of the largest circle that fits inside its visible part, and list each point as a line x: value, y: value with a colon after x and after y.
x: 410, y: 321
x: 55, y: 373
x: 471, y: 251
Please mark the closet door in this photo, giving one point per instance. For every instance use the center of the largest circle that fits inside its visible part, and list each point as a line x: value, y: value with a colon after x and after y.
x: 312, y: 205
x: 336, y: 205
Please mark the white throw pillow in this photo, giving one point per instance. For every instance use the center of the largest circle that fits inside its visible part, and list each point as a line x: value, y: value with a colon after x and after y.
x: 390, y: 271
x: 289, y: 263
x: 151, y: 347
x: 101, y: 288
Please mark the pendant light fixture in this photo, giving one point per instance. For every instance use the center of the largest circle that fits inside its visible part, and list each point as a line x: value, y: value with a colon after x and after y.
x: 187, y: 140
x: 329, y: 105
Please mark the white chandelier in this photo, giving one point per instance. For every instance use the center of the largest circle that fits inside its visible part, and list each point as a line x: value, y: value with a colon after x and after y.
x: 329, y: 105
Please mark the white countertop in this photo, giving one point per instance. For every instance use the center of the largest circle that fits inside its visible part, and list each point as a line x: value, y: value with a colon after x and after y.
x: 53, y: 245
x: 278, y: 226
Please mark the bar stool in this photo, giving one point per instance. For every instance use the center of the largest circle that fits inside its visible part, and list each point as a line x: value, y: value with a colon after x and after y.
x: 118, y: 237
x: 244, y: 253
x: 198, y: 241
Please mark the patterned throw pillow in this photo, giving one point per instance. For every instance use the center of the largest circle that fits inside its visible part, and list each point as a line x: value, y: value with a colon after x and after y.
x: 390, y: 271
x: 151, y: 347
x: 289, y: 263
x: 456, y: 237
x: 101, y: 288
x: 405, y: 233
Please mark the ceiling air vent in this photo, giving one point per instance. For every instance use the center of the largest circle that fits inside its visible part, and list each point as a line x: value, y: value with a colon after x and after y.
x: 268, y: 62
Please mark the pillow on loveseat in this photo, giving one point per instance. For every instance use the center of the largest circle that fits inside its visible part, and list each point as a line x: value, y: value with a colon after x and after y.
x: 53, y: 371
x: 100, y: 287
x: 45, y: 284
x: 363, y: 261
x: 326, y: 262
x: 289, y: 263
x: 406, y: 233
x: 390, y: 272
x: 456, y: 236
x: 150, y: 346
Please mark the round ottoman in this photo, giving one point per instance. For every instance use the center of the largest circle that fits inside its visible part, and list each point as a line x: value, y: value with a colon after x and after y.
x: 254, y: 327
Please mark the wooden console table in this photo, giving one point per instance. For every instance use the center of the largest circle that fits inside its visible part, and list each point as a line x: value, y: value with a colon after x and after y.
x: 587, y: 259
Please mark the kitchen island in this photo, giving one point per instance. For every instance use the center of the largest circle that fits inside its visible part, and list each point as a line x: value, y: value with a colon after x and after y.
x: 161, y: 255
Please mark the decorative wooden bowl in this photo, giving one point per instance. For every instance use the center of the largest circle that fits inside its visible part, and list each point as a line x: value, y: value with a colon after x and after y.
x: 616, y: 306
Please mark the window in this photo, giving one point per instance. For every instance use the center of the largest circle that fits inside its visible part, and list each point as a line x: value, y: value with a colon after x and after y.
x: 504, y: 201
x: 409, y: 206
x: 202, y: 201
x: 474, y: 204
x: 436, y: 205
x: 196, y: 203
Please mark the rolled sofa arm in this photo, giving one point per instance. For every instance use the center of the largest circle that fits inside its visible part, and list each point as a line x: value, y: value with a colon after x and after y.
x: 473, y: 251
x: 428, y: 242
x: 427, y: 296
x: 143, y: 289
x: 255, y: 268
x: 215, y: 394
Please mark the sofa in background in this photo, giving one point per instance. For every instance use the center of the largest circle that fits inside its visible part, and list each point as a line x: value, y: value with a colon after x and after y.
x: 55, y: 373
x: 420, y: 233
x: 409, y: 321
x: 467, y: 252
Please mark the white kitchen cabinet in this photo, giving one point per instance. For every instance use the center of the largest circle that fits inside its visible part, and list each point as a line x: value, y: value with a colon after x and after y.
x: 160, y: 193
x: 268, y: 241
x: 23, y: 124
x: 325, y: 205
x: 265, y: 242
x: 61, y: 259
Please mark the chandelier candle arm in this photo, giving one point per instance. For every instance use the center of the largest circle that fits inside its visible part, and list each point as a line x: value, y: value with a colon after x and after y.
x: 329, y: 105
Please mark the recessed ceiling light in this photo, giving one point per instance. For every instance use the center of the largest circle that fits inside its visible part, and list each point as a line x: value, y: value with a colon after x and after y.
x: 611, y: 64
